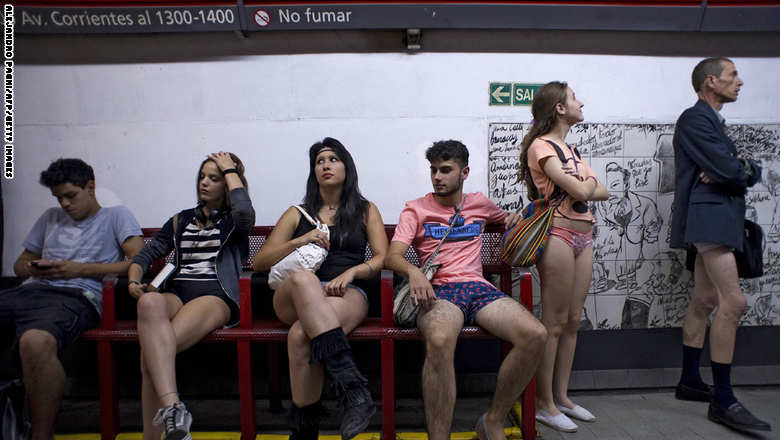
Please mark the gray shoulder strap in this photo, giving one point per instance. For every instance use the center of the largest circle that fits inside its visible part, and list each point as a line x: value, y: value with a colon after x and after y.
x: 175, y: 224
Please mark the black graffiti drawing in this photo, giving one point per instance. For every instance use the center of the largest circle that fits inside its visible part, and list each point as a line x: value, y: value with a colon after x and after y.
x: 771, y: 182
x: 756, y: 141
x: 773, y: 234
x: 629, y: 218
x: 763, y: 310
x: 663, y: 274
x: 629, y: 258
x: 664, y: 155
x: 585, y: 321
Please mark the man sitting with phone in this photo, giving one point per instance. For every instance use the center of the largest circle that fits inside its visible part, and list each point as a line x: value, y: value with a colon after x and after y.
x: 66, y: 254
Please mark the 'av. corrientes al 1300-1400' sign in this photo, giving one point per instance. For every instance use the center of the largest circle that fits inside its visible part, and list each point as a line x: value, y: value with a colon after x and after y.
x: 126, y: 19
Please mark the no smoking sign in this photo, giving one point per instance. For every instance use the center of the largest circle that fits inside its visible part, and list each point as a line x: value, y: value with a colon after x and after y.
x: 262, y: 18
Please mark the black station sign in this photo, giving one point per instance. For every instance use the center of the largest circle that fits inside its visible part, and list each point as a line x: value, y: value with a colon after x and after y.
x: 137, y: 17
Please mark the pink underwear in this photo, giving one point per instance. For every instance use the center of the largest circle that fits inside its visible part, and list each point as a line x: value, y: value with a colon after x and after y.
x: 577, y: 241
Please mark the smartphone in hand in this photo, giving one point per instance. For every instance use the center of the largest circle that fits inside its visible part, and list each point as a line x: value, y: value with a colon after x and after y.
x: 41, y: 265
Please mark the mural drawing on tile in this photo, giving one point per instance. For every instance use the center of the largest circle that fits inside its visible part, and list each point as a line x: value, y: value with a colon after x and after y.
x: 646, y: 281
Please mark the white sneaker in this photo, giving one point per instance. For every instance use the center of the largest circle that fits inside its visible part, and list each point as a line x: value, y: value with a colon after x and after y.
x: 577, y: 412
x: 558, y: 422
x: 176, y: 422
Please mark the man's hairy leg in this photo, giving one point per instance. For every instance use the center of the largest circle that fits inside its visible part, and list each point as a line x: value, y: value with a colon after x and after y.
x: 44, y: 380
x: 440, y: 327
x: 511, y: 322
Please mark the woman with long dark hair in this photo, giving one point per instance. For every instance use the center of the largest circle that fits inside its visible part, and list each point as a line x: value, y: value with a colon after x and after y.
x: 322, y: 307
x: 211, y: 242
x: 566, y: 267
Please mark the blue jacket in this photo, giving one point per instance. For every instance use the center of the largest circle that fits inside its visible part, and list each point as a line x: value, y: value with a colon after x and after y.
x: 708, y: 212
x: 234, y: 239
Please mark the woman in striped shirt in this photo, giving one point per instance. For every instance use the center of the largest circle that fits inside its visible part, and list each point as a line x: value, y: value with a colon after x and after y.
x: 210, y: 242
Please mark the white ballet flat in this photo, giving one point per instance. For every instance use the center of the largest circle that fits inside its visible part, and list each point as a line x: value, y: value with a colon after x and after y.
x: 558, y: 422
x: 577, y: 412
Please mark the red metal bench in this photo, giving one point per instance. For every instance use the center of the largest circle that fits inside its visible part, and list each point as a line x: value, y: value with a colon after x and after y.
x: 249, y: 330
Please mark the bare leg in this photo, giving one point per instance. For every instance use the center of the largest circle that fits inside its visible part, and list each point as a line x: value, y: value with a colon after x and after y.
x: 510, y: 321
x: 150, y: 403
x: 703, y: 302
x: 44, y: 380
x: 567, y: 343
x: 301, y: 298
x: 722, y: 270
x: 557, y: 283
x: 158, y: 345
x: 306, y: 379
x: 190, y: 323
x: 440, y: 327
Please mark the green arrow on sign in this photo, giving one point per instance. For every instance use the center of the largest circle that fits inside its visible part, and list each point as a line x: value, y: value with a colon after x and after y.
x: 500, y: 93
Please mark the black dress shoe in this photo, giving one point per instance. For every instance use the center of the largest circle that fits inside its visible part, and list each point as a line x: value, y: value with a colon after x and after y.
x: 685, y: 392
x: 736, y: 416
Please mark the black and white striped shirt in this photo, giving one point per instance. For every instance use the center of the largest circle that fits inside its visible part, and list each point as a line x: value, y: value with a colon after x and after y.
x: 199, y: 247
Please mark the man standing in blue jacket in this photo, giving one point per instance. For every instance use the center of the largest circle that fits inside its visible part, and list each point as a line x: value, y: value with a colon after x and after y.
x: 711, y: 179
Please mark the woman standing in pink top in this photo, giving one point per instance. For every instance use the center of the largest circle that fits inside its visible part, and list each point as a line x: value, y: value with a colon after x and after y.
x: 566, y: 267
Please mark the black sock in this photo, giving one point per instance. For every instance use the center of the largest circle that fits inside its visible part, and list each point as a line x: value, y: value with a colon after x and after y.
x: 690, y: 371
x: 722, y: 393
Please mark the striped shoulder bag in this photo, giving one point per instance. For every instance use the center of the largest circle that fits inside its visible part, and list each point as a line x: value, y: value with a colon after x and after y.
x: 523, y: 244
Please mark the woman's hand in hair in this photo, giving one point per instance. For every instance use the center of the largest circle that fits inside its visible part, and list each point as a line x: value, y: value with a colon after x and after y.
x: 223, y: 160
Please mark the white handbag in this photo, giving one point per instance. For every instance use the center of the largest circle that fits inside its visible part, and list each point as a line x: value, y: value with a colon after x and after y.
x: 307, y: 257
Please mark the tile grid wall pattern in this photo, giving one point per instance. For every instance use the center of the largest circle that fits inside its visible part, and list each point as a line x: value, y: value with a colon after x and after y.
x: 638, y: 281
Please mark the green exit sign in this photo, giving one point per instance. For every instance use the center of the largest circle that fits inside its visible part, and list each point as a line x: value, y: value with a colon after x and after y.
x: 512, y: 93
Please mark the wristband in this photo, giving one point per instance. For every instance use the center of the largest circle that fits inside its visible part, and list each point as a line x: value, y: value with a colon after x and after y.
x: 369, y: 266
x: 134, y: 282
x: 229, y: 170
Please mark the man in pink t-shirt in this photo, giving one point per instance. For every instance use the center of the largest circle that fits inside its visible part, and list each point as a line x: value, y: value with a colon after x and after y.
x: 458, y: 294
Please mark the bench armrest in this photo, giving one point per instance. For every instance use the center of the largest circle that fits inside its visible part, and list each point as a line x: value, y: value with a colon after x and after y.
x: 526, y: 290
x: 386, y: 298
x: 245, y: 300
x: 109, y: 302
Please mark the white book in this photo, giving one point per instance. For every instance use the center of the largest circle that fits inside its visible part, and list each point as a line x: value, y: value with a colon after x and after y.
x: 163, y: 275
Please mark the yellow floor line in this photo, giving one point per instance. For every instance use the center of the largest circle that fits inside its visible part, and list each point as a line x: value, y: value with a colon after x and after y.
x: 363, y: 436
x: 195, y: 436
x: 516, y: 417
x: 516, y: 414
x: 512, y: 433
x: 77, y: 437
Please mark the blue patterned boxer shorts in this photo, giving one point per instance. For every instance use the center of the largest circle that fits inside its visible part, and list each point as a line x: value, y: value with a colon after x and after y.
x: 470, y: 297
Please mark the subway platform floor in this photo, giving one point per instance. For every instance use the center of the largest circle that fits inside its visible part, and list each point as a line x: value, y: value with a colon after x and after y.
x: 622, y: 415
